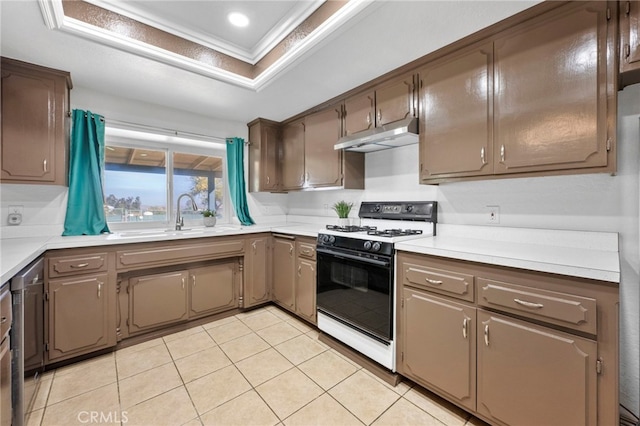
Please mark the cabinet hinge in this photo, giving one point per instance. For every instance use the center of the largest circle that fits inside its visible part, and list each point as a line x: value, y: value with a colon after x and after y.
x: 46, y: 347
x: 608, y: 14
x: 628, y: 8
x: 127, y: 322
x: 240, y: 300
x: 46, y: 296
x: 627, y: 50
x: 402, y: 303
x: 599, y: 366
x: 609, y: 144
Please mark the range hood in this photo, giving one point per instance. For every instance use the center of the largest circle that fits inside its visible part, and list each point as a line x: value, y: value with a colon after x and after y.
x: 392, y: 135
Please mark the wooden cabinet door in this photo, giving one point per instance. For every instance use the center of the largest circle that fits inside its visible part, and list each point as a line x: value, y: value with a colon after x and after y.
x: 284, y: 273
x: 359, y: 113
x: 78, y: 316
x: 264, y: 156
x: 293, y: 155
x: 323, y: 164
x: 257, y: 272
x: 533, y: 375
x: 630, y: 41
x: 306, y: 290
x: 438, y: 345
x: 212, y: 289
x: 456, y: 131
x: 551, y: 87
x: 157, y: 300
x: 34, y: 125
x: 395, y: 101
x: 5, y: 382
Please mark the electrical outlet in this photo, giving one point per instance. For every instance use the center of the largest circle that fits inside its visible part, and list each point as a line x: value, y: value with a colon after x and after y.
x: 492, y: 214
x: 16, y: 209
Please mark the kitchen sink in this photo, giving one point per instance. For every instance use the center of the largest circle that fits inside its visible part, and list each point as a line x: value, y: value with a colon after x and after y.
x: 151, y: 233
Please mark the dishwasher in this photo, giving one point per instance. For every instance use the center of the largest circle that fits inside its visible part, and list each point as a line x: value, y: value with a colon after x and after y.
x: 27, y: 338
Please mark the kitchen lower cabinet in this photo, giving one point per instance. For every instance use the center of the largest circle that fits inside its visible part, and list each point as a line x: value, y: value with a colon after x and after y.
x: 284, y: 271
x: 213, y: 289
x: 629, y: 42
x: 438, y: 345
x: 157, y: 300
x: 80, y: 313
x: 534, y: 375
x: 257, y: 271
x: 35, y: 123
x: 5, y: 356
x: 306, y: 290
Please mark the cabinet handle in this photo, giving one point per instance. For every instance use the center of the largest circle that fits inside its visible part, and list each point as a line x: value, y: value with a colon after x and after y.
x: 299, y: 270
x: 44, y: 165
x: 486, y: 334
x: 99, y: 289
x: 529, y: 304
x: 306, y: 251
x: 379, y: 116
x: 465, y: 328
x: 183, y: 283
x: 267, y: 180
x: 482, y: 157
x: 290, y: 250
x: 502, y: 153
x: 434, y: 282
x: 254, y: 246
x: 79, y: 265
x: 369, y: 118
x: 4, y: 319
x: 194, y: 280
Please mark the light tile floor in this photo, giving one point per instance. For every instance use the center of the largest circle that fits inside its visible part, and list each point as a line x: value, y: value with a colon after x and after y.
x: 263, y: 367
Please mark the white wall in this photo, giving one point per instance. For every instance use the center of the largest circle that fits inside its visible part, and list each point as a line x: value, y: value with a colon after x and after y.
x: 594, y: 202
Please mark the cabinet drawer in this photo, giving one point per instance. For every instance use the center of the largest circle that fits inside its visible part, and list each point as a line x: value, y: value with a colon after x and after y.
x: 5, y: 312
x: 566, y: 310
x: 442, y: 281
x: 306, y: 250
x: 60, y: 266
x: 169, y: 255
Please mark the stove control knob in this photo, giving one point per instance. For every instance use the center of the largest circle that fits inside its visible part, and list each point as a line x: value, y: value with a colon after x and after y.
x: 332, y: 239
x: 326, y: 239
x: 377, y: 208
x: 376, y: 246
x: 409, y: 208
x: 367, y: 245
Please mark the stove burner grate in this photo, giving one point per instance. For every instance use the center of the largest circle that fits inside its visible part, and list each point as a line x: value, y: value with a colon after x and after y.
x: 351, y: 228
x: 394, y: 232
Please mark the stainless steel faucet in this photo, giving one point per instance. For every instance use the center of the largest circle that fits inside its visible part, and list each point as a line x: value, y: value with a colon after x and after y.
x: 179, y: 219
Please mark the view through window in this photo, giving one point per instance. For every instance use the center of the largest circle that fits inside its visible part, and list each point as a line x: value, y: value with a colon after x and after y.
x: 137, y: 190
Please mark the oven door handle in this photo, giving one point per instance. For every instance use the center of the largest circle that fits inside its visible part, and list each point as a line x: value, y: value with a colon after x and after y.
x: 383, y: 263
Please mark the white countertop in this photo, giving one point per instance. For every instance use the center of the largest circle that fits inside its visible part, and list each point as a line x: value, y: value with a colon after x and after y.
x: 592, y: 255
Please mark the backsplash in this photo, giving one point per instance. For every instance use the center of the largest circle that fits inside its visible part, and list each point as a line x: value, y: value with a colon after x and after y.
x: 44, y: 209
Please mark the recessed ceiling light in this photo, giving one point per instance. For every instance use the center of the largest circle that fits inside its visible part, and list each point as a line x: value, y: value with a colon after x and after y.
x: 238, y: 19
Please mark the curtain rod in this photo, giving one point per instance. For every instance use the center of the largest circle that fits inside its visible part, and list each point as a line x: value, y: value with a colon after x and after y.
x: 171, y: 132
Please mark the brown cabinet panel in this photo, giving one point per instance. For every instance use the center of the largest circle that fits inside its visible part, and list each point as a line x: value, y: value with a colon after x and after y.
x: 456, y: 129
x: 6, y: 312
x: 77, y: 264
x: 552, y: 114
x: 305, y: 291
x: 395, y: 101
x: 441, y: 281
x: 213, y: 289
x: 264, y: 155
x: 438, y: 345
x: 81, y: 316
x: 323, y: 164
x: 533, y: 375
x: 284, y: 272
x: 35, y: 125
x: 157, y: 300
x: 359, y: 113
x: 630, y: 42
x: 293, y: 155
x: 307, y: 250
x: 257, y: 271
x: 566, y: 310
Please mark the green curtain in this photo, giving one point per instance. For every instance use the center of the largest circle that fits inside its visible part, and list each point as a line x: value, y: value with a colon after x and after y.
x: 235, y: 167
x: 85, y: 206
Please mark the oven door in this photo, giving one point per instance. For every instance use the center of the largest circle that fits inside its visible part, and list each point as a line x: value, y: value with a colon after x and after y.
x: 357, y: 289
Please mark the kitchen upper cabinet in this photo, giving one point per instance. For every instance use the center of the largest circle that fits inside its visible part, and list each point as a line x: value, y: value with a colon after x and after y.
x: 533, y: 375
x: 293, y: 161
x: 257, y: 271
x: 157, y: 300
x: 389, y: 102
x: 35, y: 123
x: 629, y: 42
x: 456, y: 127
x: 553, y: 77
x: 284, y: 271
x: 264, y: 156
x: 427, y: 322
x: 81, y: 315
x: 213, y: 289
x: 323, y: 164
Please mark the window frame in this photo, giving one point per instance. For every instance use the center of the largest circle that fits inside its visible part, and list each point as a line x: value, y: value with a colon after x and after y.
x: 117, y: 137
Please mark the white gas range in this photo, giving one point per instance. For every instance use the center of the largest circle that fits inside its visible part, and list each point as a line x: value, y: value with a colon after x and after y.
x: 356, y: 274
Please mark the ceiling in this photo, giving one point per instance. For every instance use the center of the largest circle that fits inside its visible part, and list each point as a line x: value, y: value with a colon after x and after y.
x: 380, y: 37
